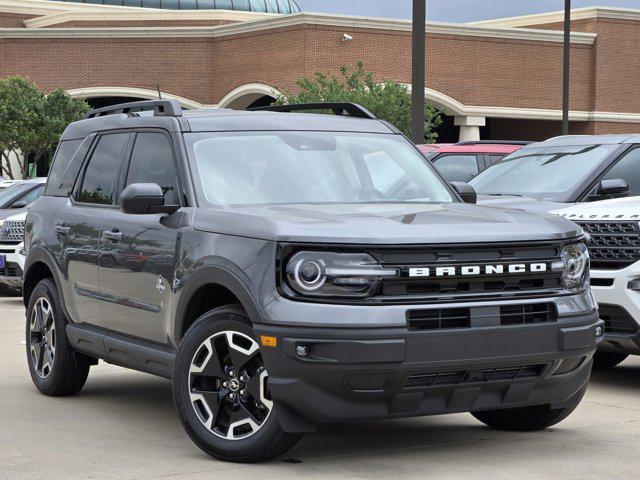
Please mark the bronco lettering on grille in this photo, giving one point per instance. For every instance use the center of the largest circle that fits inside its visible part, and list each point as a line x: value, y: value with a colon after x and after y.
x: 472, y: 270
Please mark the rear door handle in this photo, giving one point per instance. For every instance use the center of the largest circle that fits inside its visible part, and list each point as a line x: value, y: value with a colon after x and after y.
x: 112, y: 235
x: 62, y: 230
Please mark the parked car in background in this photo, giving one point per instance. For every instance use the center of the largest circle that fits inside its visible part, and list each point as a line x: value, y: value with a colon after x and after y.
x: 615, y: 272
x: 16, y: 198
x: 547, y: 175
x: 11, y: 251
x: 460, y: 162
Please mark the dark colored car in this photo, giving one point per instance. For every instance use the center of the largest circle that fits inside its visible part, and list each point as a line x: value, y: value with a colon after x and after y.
x: 289, y: 269
x: 460, y: 162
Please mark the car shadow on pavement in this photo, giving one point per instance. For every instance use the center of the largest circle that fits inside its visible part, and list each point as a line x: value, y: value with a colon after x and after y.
x: 623, y: 376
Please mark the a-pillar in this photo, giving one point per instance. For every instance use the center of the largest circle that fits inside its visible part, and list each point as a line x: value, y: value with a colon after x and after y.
x: 469, y: 127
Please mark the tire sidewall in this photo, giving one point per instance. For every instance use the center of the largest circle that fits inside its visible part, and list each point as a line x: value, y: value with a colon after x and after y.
x: 206, y: 326
x: 46, y: 289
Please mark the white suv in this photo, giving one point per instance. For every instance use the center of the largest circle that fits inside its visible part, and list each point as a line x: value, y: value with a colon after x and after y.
x: 614, y: 226
x: 12, y: 250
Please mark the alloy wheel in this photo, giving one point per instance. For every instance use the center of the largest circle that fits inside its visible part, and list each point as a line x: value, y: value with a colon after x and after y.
x: 42, y: 338
x: 228, y: 386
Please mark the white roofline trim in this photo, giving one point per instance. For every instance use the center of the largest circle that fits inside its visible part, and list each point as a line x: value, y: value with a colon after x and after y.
x: 96, y: 92
x: 555, y: 17
x: 158, y: 15
x: 298, y: 19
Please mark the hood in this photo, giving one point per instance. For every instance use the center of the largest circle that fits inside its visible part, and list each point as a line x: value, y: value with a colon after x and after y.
x: 384, y: 223
x: 10, y: 212
x: 524, y: 203
x: 627, y: 208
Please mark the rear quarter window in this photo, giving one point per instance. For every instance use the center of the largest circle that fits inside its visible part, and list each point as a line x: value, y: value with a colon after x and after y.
x: 66, y: 165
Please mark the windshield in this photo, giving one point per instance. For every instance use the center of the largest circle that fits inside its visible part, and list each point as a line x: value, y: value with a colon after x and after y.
x: 267, y: 168
x: 9, y: 194
x: 549, y: 173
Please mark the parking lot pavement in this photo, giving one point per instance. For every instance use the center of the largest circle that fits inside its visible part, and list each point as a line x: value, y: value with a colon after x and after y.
x: 123, y: 426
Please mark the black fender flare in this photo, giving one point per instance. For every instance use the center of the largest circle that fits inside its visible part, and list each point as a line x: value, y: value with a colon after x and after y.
x: 39, y: 254
x: 215, y: 275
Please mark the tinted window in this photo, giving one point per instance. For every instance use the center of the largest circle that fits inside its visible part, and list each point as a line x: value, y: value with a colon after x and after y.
x: 101, y: 176
x: 32, y: 196
x: 549, y: 173
x: 61, y: 162
x: 10, y: 194
x: 628, y: 169
x: 312, y: 167
x: 495, y: 158
x: 152, y: 162
x: 457, y: 168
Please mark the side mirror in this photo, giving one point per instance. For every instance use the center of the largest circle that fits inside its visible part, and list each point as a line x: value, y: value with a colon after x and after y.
x: 466, y: 191
x: 614, y: 186
x: 143, y: 199
x: 19, y: 204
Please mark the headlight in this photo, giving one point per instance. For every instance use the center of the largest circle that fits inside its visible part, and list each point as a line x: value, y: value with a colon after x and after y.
x: 575, y: 266
x: 327, y: 274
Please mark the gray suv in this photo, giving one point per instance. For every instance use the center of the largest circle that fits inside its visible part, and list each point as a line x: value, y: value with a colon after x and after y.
x: 291, y: 269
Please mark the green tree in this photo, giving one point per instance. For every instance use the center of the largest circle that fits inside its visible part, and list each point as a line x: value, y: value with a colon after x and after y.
x: 31, y: 122
x: 387, y: 100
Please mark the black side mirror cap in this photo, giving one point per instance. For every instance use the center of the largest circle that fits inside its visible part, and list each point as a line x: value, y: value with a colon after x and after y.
x: 466, y: 191
x: 614, y: 186
x: 144, y: 199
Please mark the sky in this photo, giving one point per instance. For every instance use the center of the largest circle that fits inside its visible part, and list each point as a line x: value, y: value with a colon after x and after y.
x: 453, y: 10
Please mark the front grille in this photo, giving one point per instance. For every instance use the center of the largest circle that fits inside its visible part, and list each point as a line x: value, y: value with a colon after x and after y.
x: 457, y: 318
x: 527, y: 314
x: 458, y: 287
x: 617, y: 320
x: 474, y: 376
x: 614, y: 245
x: 11, y: 270
x: 12, y: 232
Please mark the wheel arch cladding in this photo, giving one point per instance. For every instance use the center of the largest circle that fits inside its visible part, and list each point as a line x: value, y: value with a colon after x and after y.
x: 209, y: 288
x: 38, y: 267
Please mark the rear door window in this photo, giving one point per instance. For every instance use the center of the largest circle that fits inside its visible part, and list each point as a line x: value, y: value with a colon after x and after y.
x: 64, y: 154
x: 100, y: 181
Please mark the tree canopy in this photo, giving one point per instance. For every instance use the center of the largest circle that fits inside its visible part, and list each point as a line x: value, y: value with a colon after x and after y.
x: 387, y: 100
x: 31, y: 122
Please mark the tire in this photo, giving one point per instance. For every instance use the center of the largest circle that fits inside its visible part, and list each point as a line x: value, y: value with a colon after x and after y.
x: 607, y: 360
x: 204, y: 382
x: 64, y: 373
x: 528, y: 419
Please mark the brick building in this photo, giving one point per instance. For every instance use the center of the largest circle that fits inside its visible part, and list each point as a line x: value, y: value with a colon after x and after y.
x: 496, y: 79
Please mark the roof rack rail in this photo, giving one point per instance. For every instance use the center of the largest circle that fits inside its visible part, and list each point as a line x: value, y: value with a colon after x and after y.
x: 494, y: 142
x: 161, y: 108
x: 342, y: 108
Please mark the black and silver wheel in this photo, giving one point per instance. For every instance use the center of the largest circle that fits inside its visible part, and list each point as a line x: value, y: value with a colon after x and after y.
x: 54, y: 366
x: 221, y: 390
x: 227, y: 385
x: 42, y: 339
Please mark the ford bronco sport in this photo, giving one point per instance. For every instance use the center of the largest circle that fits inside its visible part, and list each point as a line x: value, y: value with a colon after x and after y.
x: 291, y: 269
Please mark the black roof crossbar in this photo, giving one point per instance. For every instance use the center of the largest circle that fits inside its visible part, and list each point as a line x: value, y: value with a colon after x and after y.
x: 495, y: 142
x: 343, y: 109
x: 161, y: 108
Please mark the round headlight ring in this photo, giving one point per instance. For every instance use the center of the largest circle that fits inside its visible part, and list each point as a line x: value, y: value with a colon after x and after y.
x: 299, y: 272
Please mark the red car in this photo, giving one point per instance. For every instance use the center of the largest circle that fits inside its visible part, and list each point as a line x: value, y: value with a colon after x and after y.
x: 460, y: 162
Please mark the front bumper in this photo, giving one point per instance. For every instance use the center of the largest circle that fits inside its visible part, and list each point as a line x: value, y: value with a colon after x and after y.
x: 356, y: 373
x: 12, y: 273
x: 616, y: 292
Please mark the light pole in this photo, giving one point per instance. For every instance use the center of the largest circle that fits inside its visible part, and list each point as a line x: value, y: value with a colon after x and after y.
x: 418, y: 62
x: 566, y: 65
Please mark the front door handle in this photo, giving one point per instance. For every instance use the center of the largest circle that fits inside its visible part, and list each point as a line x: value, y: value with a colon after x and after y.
x: 62, y: 230
x: 112, y: 235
